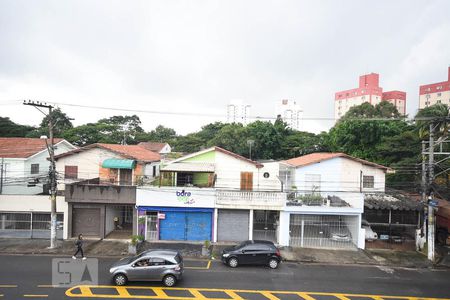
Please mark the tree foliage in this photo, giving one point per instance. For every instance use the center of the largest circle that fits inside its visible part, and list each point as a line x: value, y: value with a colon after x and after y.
x: 60, y: 123
x: 10, y: 129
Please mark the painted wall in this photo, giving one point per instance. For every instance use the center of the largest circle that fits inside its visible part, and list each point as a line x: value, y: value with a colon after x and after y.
x: 209, y: 157
x: 88, y: 162
x: 429, y: 99
x: 35, y: 203
x: 340, y: 175
x: 228, y: 171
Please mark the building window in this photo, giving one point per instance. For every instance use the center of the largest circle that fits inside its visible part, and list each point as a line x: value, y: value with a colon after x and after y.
x: 363, y: 97
x: 439, y: 94
x: 438, y: 101
x: 71, y: 172
x: 368, y: 181
x: 439, y: 87
x: 34, y: 168
x: 154, y: 171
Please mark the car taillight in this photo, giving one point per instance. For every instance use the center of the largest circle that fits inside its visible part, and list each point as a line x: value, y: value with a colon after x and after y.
x: 278, y: 252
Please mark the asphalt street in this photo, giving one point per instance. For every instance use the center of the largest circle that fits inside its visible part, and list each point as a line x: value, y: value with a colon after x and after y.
x: 30, y: 277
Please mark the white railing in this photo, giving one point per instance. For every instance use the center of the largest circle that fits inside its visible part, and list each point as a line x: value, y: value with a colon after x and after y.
x: 250, y: 199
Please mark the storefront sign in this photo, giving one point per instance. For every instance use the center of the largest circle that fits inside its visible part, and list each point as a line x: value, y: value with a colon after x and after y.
x: 161, y: 216
x: 185, y: 197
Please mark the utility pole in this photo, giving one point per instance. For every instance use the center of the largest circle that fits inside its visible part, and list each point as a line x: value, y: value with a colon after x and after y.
x: 431, y: 220
x: 52, y: 172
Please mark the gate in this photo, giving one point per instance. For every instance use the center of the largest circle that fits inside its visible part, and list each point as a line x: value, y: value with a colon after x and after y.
x: 324, y: 231
x: 265, y: 225
x: 152, y: 226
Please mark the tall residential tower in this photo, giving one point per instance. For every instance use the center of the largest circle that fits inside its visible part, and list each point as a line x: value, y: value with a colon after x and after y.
x: 369, y: 91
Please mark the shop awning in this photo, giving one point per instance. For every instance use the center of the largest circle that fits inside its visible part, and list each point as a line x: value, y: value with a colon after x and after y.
x: 112, y: 163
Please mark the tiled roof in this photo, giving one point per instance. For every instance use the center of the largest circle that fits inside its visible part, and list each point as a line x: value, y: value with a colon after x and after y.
x: 152, y: 146
x: 394, y: 202
x: 128, y: 151
x: 313, y: 158
x: 22, y: 147
x: 134, y: 151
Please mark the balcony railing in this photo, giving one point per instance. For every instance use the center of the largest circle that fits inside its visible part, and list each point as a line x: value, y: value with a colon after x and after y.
x: 250, y: 199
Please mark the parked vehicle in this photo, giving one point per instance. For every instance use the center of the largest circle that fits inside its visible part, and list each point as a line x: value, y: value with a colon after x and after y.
x: 151, y: 265
x: 370, y: 234
x: 252, y: 252
x: 338, y: 233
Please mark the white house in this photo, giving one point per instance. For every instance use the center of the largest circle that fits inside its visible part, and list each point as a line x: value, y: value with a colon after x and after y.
x: 215, y: 195
x: 161, y: 148
x: 24, y: 164
x: 24, y: 200
x: 326, y: 199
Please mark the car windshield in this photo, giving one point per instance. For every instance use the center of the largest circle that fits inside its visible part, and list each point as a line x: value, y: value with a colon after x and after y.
x: 238, y: 246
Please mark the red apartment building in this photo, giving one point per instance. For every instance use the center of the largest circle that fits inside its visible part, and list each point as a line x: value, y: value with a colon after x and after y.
x: 434, y: 93
x: 370, y: 91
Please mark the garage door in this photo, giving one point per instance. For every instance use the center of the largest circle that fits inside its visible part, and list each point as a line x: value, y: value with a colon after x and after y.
x: 185, y: 226
x: 232, y: 225
x: 86, y: 221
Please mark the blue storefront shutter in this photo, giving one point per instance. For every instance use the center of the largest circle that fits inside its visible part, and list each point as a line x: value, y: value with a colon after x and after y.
x: 198, y: 226
x: 185, y: 226
x: 173, y: 227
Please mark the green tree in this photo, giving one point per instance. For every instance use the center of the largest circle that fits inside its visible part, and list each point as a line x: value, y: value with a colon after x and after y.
x: 232, y: 137
x: 90, y: 133
x: 358, y: 135
x: 10, y: 129
x: 439, y: 115
x: 189, y: 143
x: 162, y: 134
x: 122, y: 129
x: 60, y: 121
x: 300, y: 143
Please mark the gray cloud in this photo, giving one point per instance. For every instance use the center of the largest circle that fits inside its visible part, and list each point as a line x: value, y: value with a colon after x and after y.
x: 196, y: 56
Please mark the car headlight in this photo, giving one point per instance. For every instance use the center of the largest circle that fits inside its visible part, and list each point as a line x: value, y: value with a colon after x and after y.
x: 112, y: 270
x: 225, y: 254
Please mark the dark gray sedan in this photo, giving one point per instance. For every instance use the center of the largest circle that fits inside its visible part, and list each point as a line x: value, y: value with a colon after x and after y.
x: 151, y: 265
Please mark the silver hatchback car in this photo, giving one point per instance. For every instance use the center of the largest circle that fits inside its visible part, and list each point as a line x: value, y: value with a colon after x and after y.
x: 151, y: 265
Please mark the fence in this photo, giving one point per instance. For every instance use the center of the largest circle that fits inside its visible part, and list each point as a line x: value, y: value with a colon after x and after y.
x: 29, y: 225
x: 323, y: 231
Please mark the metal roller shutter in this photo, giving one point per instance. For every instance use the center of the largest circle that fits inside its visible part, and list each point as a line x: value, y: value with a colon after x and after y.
x: 185, y: 226
x: 173, y: 226
x: 198, y: 226
x: 232, y: 225
x: 86, y: 221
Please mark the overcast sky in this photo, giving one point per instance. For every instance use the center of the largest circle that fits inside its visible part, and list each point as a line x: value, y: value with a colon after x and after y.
x: 196, y: 56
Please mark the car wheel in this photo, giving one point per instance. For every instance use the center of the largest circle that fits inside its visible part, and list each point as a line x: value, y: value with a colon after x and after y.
x: 169, y: 280
x: 233, y: 262
x: 120, y: 279
x: 273, y: 263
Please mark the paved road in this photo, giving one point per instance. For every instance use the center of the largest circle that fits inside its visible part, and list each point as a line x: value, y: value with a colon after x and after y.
x: 30, y: 277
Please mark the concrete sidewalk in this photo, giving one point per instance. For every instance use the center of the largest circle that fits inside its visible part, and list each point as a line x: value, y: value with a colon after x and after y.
x: 117, y: 248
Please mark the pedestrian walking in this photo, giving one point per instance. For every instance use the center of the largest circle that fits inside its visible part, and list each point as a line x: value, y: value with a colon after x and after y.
x: 79, y: 244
